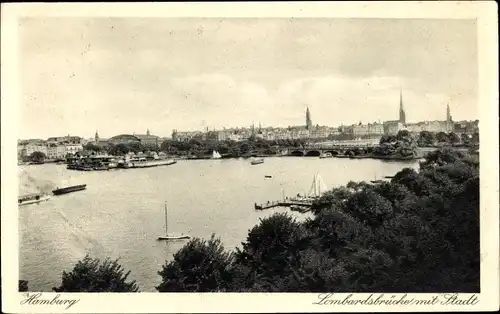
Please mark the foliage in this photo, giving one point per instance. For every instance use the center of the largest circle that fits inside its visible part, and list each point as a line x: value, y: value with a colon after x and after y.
x: 37, y: 156
x: 90, y: 275
x: 419, y: 232
x: 92, y: 147
x: 402, y: 144
x: 200, y: 266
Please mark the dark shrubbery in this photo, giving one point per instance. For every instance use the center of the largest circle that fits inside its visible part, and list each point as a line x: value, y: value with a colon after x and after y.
x: 90, y: 275
x: 418, y: 233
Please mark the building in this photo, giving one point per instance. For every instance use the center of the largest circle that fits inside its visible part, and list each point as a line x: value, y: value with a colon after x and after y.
x: 32, y: 147
x: 98, y: 141
x: 143, y: 139
x: 466, y: 127
x: 375, y: 129
x: 184, y: 136
x: 124, y: 139
x: 435, y: 126
x: 392, y: 127
x: 360, y: 130
x: 65, y: 140
x: 308, y: 119
x: 55, y: 151
x: 72, y: 148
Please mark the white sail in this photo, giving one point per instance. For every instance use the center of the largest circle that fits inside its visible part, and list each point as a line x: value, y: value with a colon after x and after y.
x: 318, y: 187
x: 216, y: 155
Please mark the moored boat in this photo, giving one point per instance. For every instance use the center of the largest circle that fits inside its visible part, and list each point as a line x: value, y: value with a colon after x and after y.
x: 152, y: 163
x: 216, y: 155
x: 257, y: 161
x: 69, y: 189
x: 32, y: 198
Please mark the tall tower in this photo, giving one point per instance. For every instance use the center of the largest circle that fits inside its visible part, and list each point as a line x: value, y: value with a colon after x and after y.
x: 402, y: 114
x: 449, y: 121
x: 308, y: 119
x: 147, y: 132
x: 448, y: 113
x: 96, y: 137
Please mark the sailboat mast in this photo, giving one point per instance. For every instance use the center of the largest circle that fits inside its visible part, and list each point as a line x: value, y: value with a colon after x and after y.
x: 319, y: 185
x: 166, y: 221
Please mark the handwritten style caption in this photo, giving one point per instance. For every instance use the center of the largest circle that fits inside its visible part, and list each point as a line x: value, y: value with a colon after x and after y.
x: 37, y: 299
x: 385, y: 299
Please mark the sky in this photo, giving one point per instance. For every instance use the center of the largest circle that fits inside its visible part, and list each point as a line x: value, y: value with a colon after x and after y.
x: 127, y: 75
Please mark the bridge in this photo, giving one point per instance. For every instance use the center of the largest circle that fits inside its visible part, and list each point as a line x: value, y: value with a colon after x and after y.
x: 332, y: 148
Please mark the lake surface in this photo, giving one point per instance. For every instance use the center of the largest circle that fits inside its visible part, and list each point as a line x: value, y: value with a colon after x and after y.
x: 121, y: 213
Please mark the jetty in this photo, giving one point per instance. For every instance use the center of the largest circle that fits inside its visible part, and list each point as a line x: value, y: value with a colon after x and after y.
x: 284, y: 203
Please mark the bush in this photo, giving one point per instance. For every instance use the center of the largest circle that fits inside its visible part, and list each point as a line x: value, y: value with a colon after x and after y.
x: 419, y: 233
x: 199, y: 266
x: 90, y: 275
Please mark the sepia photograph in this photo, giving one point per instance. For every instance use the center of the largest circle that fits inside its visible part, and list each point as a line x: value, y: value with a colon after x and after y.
x: 323, y: 155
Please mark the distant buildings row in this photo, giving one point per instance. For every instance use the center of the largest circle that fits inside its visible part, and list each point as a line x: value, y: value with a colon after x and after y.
x: 59, y: 147
x: 370, y: 130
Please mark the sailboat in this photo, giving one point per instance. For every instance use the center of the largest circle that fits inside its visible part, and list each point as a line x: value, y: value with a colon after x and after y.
x: 216, y: 155
x: 318, y: 187
x: 168, y: 237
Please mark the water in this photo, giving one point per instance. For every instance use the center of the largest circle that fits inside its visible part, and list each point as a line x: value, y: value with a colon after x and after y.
x: 121, y: 213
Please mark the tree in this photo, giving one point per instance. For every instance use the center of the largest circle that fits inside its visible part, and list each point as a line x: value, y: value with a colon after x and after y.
x: 90, y: 275
x: 425, y: 139
x: 453, y: 138
x: 118, y: 150
x: 38, y: 156
x: 92, y: 147
x: 272, y: 250
x: 200, y: 266
x: 442, y: 137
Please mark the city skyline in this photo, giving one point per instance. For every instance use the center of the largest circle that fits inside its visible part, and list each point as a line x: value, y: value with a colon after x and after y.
x: 127, y: 75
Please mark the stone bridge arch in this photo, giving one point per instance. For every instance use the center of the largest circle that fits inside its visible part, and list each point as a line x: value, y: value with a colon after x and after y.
x: 334, y: 152
x: 297, y: 153
x: 313, y: 153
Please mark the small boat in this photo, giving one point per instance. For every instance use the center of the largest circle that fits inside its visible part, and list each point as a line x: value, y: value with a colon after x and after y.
x: 153, y: 163
x: 69, y: 189
x: 32, y: 198
x: 101, y: 167
x: 318, y: 187
x: 168, y: 237
x: 85, y: 168
x: 257, y: 161
x: 326, y: 155
x: 216, y: 155
x: 268, y: 177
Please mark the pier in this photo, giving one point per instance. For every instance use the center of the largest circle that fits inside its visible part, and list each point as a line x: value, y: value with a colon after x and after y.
x: 284, y: 203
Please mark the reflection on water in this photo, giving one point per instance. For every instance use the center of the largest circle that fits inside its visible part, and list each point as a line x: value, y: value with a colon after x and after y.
x: 121, y: 213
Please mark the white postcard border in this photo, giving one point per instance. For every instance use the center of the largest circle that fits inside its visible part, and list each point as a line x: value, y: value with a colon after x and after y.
x: 255, y: 302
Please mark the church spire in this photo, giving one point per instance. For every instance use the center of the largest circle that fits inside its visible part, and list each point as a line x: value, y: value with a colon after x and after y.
x: 448, y: 113
x: 96, y: 137
x: 147, y: 132
x: 402, y: 114
x: 308, y: 119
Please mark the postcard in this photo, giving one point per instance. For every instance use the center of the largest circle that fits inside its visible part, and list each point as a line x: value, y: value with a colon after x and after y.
x: 249, y: 157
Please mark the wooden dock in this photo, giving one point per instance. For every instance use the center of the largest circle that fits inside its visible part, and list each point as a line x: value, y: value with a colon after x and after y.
x: 285, y: 203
